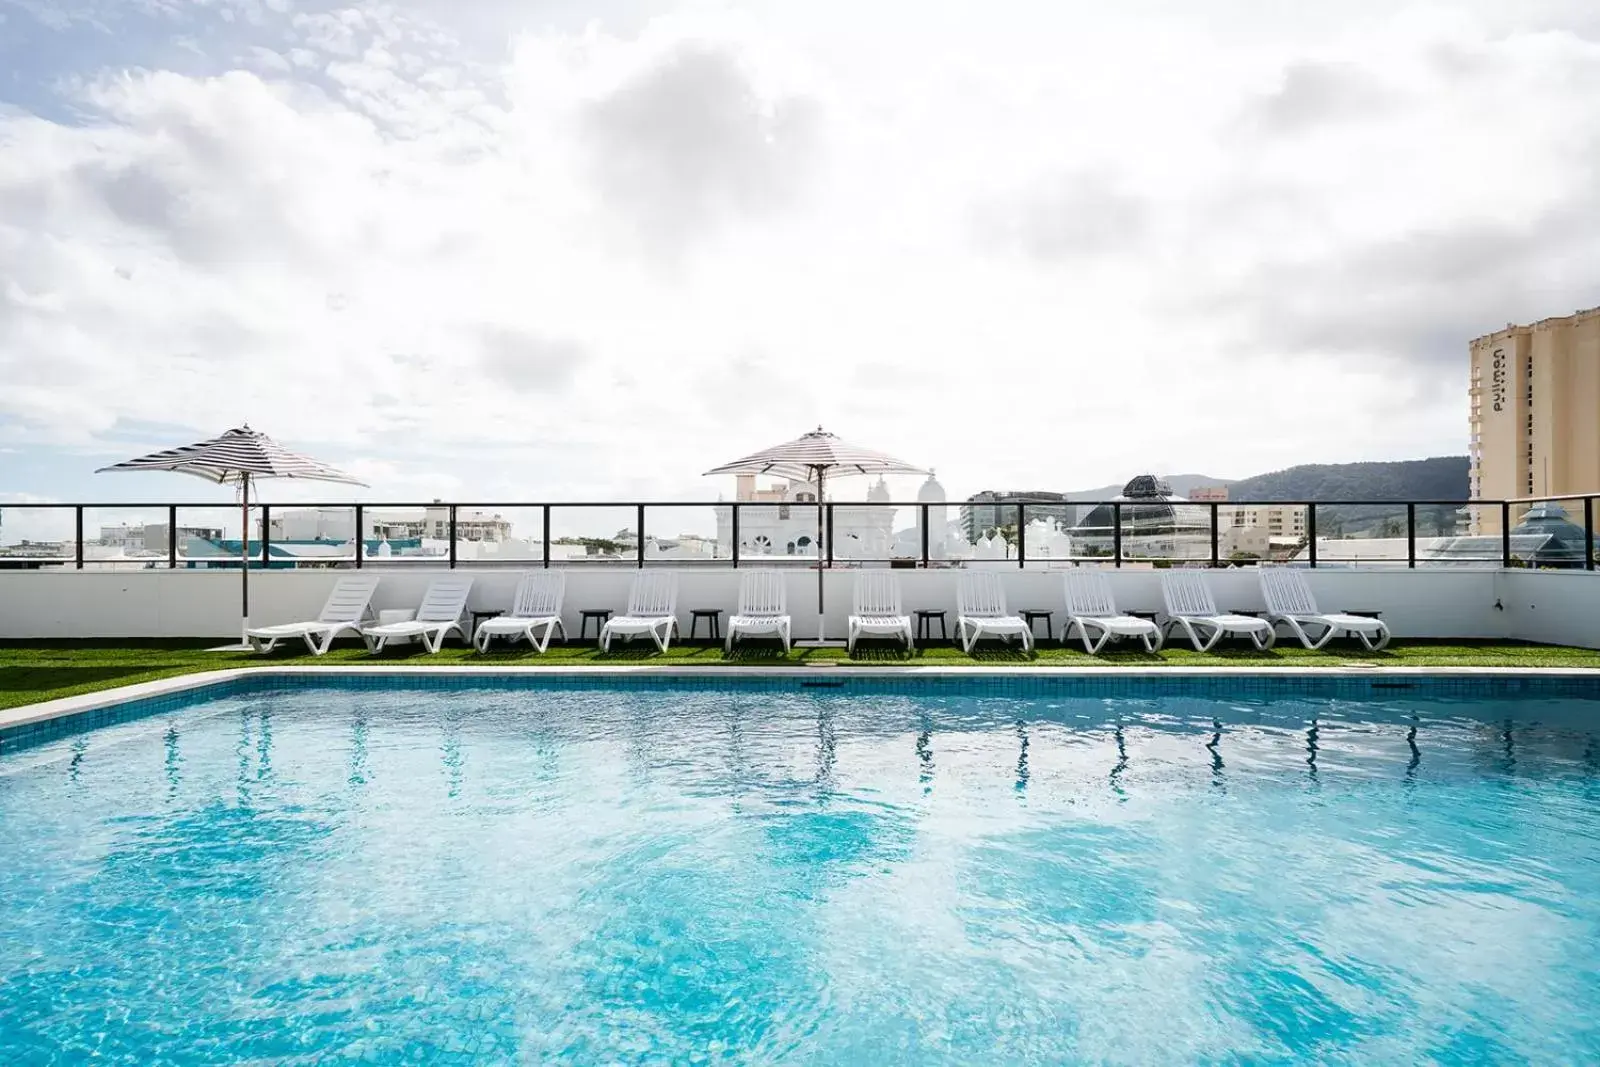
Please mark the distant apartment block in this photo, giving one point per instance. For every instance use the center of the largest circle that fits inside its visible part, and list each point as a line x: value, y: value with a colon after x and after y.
x: 992, y: 509
x: 1282, y: 522
x: 1535, y: 413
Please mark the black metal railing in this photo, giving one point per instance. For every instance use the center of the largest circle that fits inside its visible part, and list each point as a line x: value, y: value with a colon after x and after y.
x: 919, y: 534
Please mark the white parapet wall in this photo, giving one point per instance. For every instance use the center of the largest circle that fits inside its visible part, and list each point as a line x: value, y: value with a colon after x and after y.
x: 1547, y: 606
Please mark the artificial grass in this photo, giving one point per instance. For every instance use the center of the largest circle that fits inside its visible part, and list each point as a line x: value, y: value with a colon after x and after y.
x: 32, y: 671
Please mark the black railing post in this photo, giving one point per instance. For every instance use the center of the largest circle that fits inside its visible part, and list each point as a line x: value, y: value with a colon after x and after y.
x: 546, y: 536
x: 266, y: 536
x: 1411, y: 536
x: 1116, y: 533
x: 1588, y: 533
x: 1311, y: 532
x: 1022, y: 536
x: 829, y: 533
x: 924, y: 524
x: 1216, y: 552
x: 172, y: 537
x: 452, y: 537
x: 638, y: 535
x: 361, y: 542
x: 734, y: 533
x: 1505, y: 533
x: 77, y: 533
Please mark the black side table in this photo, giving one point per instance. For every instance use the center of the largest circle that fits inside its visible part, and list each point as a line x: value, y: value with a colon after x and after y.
x: 601, y: 616
x: 713, y: 617
x: 925, y: 620
x: 1030, y: 617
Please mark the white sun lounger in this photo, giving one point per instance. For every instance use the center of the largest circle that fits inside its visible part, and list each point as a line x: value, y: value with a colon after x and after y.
x: 981, y: 609
x: 1289, y: 601
x: 1093, y: 610
x: 763, y: 607
x: 877, y: 609
x: 443, y: 606
x: 346, y: 609
x: 652, y: 609
x: 536, y: 606
x: 1190, y: 605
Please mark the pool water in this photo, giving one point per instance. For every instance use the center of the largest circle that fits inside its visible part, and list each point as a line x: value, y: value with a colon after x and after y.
x: 594, y: 875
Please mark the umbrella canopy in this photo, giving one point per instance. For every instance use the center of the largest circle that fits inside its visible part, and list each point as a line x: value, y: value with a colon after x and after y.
x: 818, y: 450
x: 813, y: 456
x: 235, y: 457
x: 239, y: 457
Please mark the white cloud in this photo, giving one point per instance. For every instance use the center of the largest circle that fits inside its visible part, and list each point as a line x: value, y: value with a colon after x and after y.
x: 1047, y: 249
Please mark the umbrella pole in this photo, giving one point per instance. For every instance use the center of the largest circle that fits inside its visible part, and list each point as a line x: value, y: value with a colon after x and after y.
x: 821, y: 635
x: 244, y: 560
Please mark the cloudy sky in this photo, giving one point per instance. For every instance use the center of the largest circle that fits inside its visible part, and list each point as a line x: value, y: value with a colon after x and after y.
x: 553, y: 249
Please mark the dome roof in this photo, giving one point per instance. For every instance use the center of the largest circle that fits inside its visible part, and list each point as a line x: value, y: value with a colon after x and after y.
x: 1146, y: 501
x: 879, y: 493
x: 931, y: 491
x: 1566, y: 538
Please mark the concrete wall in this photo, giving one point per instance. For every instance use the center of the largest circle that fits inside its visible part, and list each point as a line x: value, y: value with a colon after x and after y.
x: 1552, y: 607
x: 1543, y: 606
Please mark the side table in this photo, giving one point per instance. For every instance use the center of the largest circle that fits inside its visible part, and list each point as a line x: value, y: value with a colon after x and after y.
x: 713, y: 617
x: 601, y: 616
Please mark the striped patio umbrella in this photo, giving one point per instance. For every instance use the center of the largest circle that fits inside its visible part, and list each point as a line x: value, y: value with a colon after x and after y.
x: 239, y: 457
x: 812, y: 457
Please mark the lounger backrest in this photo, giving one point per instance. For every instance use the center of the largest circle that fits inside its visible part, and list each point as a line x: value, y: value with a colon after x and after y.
x: 654, y: 594
x: 877, y: 592
x: 1187, y: 593
x: 980, y: 594
x: 445, y: 600
x: 349, y: 599
x: 763, y: 592
x: 539, y: 594
x: 1089, y: 593
x: 1286, y: 592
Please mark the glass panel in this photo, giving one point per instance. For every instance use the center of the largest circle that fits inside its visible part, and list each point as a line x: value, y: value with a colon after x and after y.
x: 490, y: 535
x: 31, y: 534
x: 605, y: 534
x: 689, y: 534
x: 208, y: 538
x: 874, y: 532
x: 125, y: 538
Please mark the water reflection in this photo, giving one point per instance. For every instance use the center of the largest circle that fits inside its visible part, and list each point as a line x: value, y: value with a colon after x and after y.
x: 358, y: 751
x: 1416, y: 753
x: 1312, y: 736
x: 242, y: 750
x: 827, y: 756
x: 174, y: 762
x: 264, y: 748
x: 1508, y: 761
x: 450, y: 754
x: 75, y: 766
x: 1122, y: 763
x: 925, y: 756
x: 1215, y: 747
x: 1022, y: 757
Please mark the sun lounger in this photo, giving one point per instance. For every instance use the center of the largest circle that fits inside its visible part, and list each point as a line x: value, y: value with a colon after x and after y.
x: 763, y: 607
x: 981, y: 609
x: 1191, y: 606
x: 1093, y: 610
x: 443, y: 606
x: 1290, y: 603
x: 535, y: 607
x: 346, y: 609
x: 877, y: 609
x: 652, y: 609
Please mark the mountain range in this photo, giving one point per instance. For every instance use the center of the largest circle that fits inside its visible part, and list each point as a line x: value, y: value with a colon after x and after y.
x: 1400, y: 481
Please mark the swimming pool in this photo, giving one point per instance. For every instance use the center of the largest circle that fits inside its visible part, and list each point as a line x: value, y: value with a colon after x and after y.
x: 468, y: 871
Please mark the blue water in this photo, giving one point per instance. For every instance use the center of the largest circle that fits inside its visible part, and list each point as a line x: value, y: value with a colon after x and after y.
x: 815, y: 877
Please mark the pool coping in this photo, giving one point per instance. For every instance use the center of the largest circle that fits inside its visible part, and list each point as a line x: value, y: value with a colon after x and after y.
x: 48, y: 710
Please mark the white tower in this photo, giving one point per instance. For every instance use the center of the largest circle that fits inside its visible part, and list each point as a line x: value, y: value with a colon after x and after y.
x: 932, y: 494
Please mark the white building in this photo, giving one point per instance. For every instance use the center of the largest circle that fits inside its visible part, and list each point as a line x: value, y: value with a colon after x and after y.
x: 782, y: 521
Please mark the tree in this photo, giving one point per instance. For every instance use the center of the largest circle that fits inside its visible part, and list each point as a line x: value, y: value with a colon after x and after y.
x: 1391, y: 527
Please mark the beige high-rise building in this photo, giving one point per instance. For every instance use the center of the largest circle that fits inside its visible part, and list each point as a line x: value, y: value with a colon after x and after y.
x: 1535, y: 423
